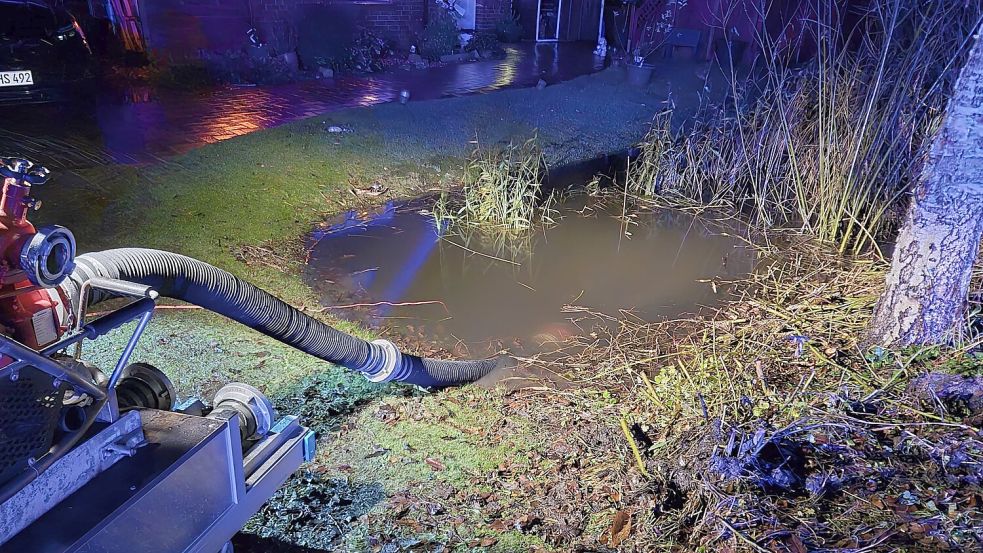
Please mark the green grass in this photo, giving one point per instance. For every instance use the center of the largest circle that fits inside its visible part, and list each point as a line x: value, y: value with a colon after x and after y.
x: 269, y: 187
x: 409, y: 446
x: 451, y: 429
x: 267, y: 190
x: 450, y: 441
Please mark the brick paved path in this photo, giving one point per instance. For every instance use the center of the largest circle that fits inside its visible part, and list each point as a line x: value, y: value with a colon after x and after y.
x: 151, y: 125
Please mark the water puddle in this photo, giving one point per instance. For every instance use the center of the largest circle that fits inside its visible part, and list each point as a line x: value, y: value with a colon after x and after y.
x: 393, y: 268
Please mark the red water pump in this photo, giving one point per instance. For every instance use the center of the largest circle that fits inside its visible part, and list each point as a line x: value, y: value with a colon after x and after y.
x: 33, y: 262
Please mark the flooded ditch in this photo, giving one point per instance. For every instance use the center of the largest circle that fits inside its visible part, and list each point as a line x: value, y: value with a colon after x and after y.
x: 393, y: 268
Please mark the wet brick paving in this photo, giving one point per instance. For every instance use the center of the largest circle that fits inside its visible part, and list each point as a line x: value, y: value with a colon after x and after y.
x: 147, y: 125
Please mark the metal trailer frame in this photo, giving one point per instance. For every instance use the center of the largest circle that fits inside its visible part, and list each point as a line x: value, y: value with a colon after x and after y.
x: 146, y: 480
x: 188, y: 489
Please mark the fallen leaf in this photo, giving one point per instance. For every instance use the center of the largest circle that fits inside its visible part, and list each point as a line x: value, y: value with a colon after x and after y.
x: 435, y: 464
x: 526, y: 522
x: 796, y: 545
x: 372, y: 191
x: 620, y: 528
x: 499, y: 526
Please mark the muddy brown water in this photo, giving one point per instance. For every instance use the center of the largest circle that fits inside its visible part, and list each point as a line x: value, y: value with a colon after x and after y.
x: 393, y: 268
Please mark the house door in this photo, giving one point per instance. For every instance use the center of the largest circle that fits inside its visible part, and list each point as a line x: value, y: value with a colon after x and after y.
x: 548, y: 20
x: 125, y: 15
x: 579, y: 20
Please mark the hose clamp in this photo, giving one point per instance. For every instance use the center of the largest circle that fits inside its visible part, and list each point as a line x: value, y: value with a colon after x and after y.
x: 390, y: 360
x: 49, y: 256
x: 255, y: 409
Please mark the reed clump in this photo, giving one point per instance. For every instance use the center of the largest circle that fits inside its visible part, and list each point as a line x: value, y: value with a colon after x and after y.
x: 766, y: 423
x: 501, y: 191
x: 832, y: 145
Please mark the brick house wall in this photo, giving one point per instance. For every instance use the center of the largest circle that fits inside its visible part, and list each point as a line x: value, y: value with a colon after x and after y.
x: 182, y: 28
x: 489, y: 12
x: 400, y: 20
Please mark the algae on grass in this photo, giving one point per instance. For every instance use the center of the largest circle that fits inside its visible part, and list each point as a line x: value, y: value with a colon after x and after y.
x: 397, y: 471
x: 314, y: 511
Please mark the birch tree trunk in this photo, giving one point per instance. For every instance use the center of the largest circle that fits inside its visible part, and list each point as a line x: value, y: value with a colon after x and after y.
x: 925, y: 298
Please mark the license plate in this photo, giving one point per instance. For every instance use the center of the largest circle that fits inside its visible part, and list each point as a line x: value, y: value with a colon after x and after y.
x: 16, y: 78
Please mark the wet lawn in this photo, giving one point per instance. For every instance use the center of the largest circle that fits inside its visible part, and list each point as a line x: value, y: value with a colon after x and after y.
x: 462, y: 468
x: 763, y: 421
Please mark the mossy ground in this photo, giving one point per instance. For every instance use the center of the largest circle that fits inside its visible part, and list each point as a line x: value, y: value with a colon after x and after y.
x: 394, y: 465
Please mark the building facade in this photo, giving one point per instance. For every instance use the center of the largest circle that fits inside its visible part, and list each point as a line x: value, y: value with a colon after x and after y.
x: 176, y: 28
x: 185, y: 27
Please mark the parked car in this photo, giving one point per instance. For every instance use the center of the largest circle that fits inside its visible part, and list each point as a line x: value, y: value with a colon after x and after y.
x: 44, y: 55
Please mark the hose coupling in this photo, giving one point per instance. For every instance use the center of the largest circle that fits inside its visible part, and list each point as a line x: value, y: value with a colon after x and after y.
x: 384, y: 363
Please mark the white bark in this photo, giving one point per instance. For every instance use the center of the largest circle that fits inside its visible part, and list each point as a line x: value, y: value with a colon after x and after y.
x: 925, y: 298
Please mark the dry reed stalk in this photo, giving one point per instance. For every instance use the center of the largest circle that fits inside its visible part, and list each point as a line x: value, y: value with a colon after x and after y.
x: 832, y: 146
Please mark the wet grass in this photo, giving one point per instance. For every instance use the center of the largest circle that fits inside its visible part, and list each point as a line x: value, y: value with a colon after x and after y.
x: 402, y: 469
x: 246, y: 204
x: 433, y: 439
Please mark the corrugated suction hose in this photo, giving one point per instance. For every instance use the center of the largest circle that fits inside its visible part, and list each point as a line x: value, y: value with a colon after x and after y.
x: 189, y: 280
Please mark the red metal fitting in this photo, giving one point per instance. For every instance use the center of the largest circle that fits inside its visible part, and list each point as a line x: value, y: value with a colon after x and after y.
x: 33, y: 315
